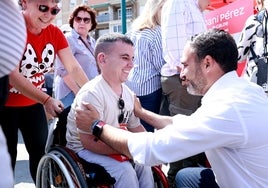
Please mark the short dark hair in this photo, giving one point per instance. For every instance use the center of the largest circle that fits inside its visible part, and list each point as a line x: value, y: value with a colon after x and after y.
x: 104, y: 43
x: 220, y: 45
x: 85, y: 8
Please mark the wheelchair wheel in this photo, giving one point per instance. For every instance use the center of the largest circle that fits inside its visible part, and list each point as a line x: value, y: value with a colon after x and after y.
x: 160, y: 179
x: 58, y: 169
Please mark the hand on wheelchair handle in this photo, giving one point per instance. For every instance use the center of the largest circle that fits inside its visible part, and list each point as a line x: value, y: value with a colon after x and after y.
x: 53, y: 106
x: 64, y: 112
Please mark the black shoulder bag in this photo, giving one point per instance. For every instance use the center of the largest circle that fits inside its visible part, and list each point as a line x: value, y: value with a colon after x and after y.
x: 262, y: 68
x: 261, y: 62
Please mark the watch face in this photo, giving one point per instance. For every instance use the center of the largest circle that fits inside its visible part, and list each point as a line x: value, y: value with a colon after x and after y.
x: 97, y: 128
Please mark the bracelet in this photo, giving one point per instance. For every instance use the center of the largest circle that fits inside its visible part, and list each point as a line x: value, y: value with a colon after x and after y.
x: 44, y: 103
x: 97, y: 127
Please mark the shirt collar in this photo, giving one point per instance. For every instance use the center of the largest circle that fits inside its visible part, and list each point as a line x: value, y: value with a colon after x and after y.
x: 219, y: 84
x: 77, y: 35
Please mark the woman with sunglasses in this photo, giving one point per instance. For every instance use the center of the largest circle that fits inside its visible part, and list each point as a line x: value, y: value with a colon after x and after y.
x: 27, y: 103
x: 82, y: 21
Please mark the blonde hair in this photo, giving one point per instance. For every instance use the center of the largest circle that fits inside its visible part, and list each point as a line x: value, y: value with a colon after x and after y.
x: 150, y: 16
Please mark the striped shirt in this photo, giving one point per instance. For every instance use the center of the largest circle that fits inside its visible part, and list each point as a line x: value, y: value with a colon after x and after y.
x: 13, y: 36
x: 144, y: 78
x: 12, y: 43
x: 181, y: 19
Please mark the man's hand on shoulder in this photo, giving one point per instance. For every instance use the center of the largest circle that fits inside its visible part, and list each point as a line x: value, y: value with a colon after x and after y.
x: 85, y: 116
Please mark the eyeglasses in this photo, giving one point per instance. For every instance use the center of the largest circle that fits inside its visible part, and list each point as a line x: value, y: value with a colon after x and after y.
x: 121, y: 106
x: 54, y: 11
x: 79, y: 19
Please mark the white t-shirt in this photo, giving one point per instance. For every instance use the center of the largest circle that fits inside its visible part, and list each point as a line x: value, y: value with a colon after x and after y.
x: 230, y: 126
x: 98, y: 93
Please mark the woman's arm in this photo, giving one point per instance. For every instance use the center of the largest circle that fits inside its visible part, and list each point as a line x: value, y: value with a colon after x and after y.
x: 247, y: 38
x: 23, y: 85
x: 72, y: 66
x: 70, y: 82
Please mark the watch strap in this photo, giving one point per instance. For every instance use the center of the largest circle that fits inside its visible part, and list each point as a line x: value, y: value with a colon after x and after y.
x: 97, y: 127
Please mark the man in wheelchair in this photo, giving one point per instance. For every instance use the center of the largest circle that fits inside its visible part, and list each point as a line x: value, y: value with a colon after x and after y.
x: 115, y: 103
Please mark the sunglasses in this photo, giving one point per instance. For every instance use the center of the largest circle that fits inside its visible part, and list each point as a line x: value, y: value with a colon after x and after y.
x: 54, y: 11
x: 79, y: 19
x: 121, y: 106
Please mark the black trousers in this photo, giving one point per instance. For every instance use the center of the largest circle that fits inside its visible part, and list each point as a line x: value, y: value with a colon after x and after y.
x: 32, y: 122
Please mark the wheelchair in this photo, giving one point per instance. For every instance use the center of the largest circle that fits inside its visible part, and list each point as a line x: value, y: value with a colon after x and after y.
x: 60, y: 167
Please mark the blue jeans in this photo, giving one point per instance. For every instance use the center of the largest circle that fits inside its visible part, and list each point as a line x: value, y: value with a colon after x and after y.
x: 68, y: 99
x: 152, y: 103
x: 195, y: 177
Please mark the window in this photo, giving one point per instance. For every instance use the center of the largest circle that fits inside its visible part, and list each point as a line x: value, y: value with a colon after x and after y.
x: 117, y: 28
x: 128, y: 12
x: 103, y: 16
x: 72, y: 4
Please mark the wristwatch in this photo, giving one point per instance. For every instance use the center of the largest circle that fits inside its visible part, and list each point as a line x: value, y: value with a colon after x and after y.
x: 97, y: 127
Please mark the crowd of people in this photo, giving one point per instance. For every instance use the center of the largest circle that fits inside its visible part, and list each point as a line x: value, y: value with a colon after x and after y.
x: 229, y: 126
x: 165, y: 92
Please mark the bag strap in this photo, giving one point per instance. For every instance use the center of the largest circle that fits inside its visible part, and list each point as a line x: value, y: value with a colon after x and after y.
x: 264, y: 27
x: 262, y: 68
x: 254, y: 55
x: 88, y: 46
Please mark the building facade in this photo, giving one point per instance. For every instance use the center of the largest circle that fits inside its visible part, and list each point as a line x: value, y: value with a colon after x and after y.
x: 109, y: 14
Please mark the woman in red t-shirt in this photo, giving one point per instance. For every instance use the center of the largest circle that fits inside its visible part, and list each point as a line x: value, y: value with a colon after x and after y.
x: 27, y: 103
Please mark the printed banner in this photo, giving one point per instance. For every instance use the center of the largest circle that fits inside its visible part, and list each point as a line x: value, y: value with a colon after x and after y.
x: 231, y: 17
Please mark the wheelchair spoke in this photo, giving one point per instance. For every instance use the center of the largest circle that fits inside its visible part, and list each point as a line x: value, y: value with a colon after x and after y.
x: 55, y: 171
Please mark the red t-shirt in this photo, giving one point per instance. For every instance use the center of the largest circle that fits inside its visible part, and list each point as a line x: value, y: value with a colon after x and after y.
x: 38, y: 59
